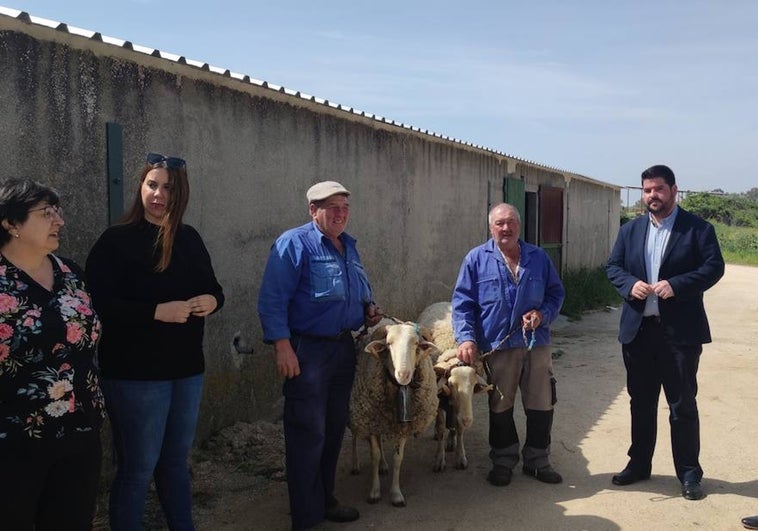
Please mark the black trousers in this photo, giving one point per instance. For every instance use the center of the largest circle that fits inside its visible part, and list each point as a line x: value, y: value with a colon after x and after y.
x: 316, y: 410
x: 51, y: 486
x: 653, y: 362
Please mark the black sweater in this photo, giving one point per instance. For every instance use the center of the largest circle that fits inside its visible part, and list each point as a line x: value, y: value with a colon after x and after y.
x: 126, y: 290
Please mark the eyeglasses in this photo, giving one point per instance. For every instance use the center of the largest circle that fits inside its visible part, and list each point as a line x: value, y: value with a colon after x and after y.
x: 50, y: 211
x: 161, y: 161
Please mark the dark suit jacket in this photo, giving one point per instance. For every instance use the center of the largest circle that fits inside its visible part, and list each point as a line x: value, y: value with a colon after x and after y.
x: 692, y: 263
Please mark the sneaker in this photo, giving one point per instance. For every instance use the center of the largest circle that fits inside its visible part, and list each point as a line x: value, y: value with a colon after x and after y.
x: 500, y: 475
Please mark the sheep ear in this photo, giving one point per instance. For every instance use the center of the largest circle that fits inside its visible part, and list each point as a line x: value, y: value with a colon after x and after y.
x: 379, y: 333
x: 426, y: 349
x: 442, y: 387
x: 375, y: 348
x: 439, y: 370
x: 425, y: 332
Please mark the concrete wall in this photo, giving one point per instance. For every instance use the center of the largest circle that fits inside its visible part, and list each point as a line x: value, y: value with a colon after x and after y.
x: 419, y: 201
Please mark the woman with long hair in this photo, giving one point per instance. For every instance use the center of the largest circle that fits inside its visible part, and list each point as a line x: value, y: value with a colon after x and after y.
x: 153, y: 283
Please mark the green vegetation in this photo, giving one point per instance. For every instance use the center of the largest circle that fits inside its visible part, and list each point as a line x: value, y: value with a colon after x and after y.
x: 732, y: 210
x: 739, y: 245
x: 587, y: 289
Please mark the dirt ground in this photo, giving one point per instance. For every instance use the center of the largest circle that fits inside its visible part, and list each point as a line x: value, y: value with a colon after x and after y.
x: 239, y: 475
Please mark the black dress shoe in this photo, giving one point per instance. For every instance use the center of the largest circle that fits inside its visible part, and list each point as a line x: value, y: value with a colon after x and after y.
x: 500, y: 476
x: 341, y: 513
x: 750, y: 522
x: 629, y: 476
x: 691, y: 490
x: 545, y: 474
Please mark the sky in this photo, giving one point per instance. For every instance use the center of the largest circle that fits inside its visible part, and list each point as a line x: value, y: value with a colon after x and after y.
x: 602, y: 88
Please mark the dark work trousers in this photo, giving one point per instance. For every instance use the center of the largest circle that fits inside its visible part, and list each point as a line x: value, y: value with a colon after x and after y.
x: 51, y: 485
x: 316, y: 404
x: 651, y: 362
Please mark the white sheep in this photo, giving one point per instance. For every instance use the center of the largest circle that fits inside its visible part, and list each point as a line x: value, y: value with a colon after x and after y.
x: 456, y: 385
x: 398, y: 356
x: 438, y: 319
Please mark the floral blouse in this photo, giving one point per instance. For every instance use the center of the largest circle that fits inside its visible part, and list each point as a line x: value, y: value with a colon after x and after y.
x: 48, y: 379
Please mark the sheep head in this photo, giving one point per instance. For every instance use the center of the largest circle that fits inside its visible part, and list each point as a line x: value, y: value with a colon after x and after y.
x: 460, y: 385
x: 405, y: 346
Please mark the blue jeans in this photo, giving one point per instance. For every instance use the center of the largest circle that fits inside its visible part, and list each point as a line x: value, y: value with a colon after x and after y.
x: 153, y: 425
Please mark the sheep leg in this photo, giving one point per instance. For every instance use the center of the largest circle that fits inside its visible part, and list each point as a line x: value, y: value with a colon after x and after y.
x: 439, y: 434
x: 375, y: 494
x: 451, y: 440
x: 356, y: 469
x: 383, y: 466
x: 397, y: 498
x: 460, y: 451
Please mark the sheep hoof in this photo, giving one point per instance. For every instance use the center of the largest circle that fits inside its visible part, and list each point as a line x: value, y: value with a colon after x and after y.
x: 463, y: 465
x: 439, y: 467
x: 398, y: 503
x: 373, y: 500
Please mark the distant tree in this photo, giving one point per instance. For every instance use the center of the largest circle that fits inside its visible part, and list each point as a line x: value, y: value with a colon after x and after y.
x: 752, y: 194
x: 709, y: 206
x: 728, y: 209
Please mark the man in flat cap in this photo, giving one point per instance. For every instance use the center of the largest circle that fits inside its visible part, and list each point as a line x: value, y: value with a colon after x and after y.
x: 314, y: 293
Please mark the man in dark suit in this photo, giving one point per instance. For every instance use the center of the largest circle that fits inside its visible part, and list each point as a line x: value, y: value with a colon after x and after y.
x: 661, y: 264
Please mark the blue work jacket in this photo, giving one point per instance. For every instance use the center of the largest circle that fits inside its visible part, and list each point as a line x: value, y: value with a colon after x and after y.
x: 484, y: 311
x: 309, y: 288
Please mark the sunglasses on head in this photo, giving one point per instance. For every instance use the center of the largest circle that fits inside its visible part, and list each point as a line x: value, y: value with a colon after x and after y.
x: 161, y: 161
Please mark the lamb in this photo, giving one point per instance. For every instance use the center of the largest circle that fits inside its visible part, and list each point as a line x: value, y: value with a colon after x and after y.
x: 398, y: 356
x: 457, y: 383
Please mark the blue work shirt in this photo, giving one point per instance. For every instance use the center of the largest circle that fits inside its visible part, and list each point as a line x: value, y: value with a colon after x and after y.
x: 309, y: 288
x: 485, y: 310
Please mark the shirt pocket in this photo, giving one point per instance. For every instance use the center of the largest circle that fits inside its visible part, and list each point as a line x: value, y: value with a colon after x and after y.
x: 327, y: 280
x: 534, y: 292
x: 488, y: 290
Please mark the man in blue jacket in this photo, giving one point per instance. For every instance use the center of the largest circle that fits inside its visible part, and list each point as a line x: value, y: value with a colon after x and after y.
x: 314, y: 292
x: 661, y: 264
x: 507, y: 294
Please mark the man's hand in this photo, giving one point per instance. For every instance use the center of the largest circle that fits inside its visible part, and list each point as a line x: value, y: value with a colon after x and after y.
x: 641, y: 290
x: 663, y: 289
x: 287, y: 364
x: 531, y: 320
x: 372, y: 314
x: 467, y: 352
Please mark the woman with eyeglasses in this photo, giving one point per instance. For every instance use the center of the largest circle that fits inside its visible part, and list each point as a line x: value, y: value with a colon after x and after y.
x: 51, y: 407
x: 153, y: 284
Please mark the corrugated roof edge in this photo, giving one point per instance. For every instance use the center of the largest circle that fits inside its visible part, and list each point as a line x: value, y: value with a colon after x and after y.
x: 154, y: 52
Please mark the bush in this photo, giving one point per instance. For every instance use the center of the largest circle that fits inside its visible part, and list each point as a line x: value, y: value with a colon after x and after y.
x: 739, y: 245
x: 587, y: 289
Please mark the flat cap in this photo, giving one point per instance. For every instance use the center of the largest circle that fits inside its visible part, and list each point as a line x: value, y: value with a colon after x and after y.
x: 325, y: 189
